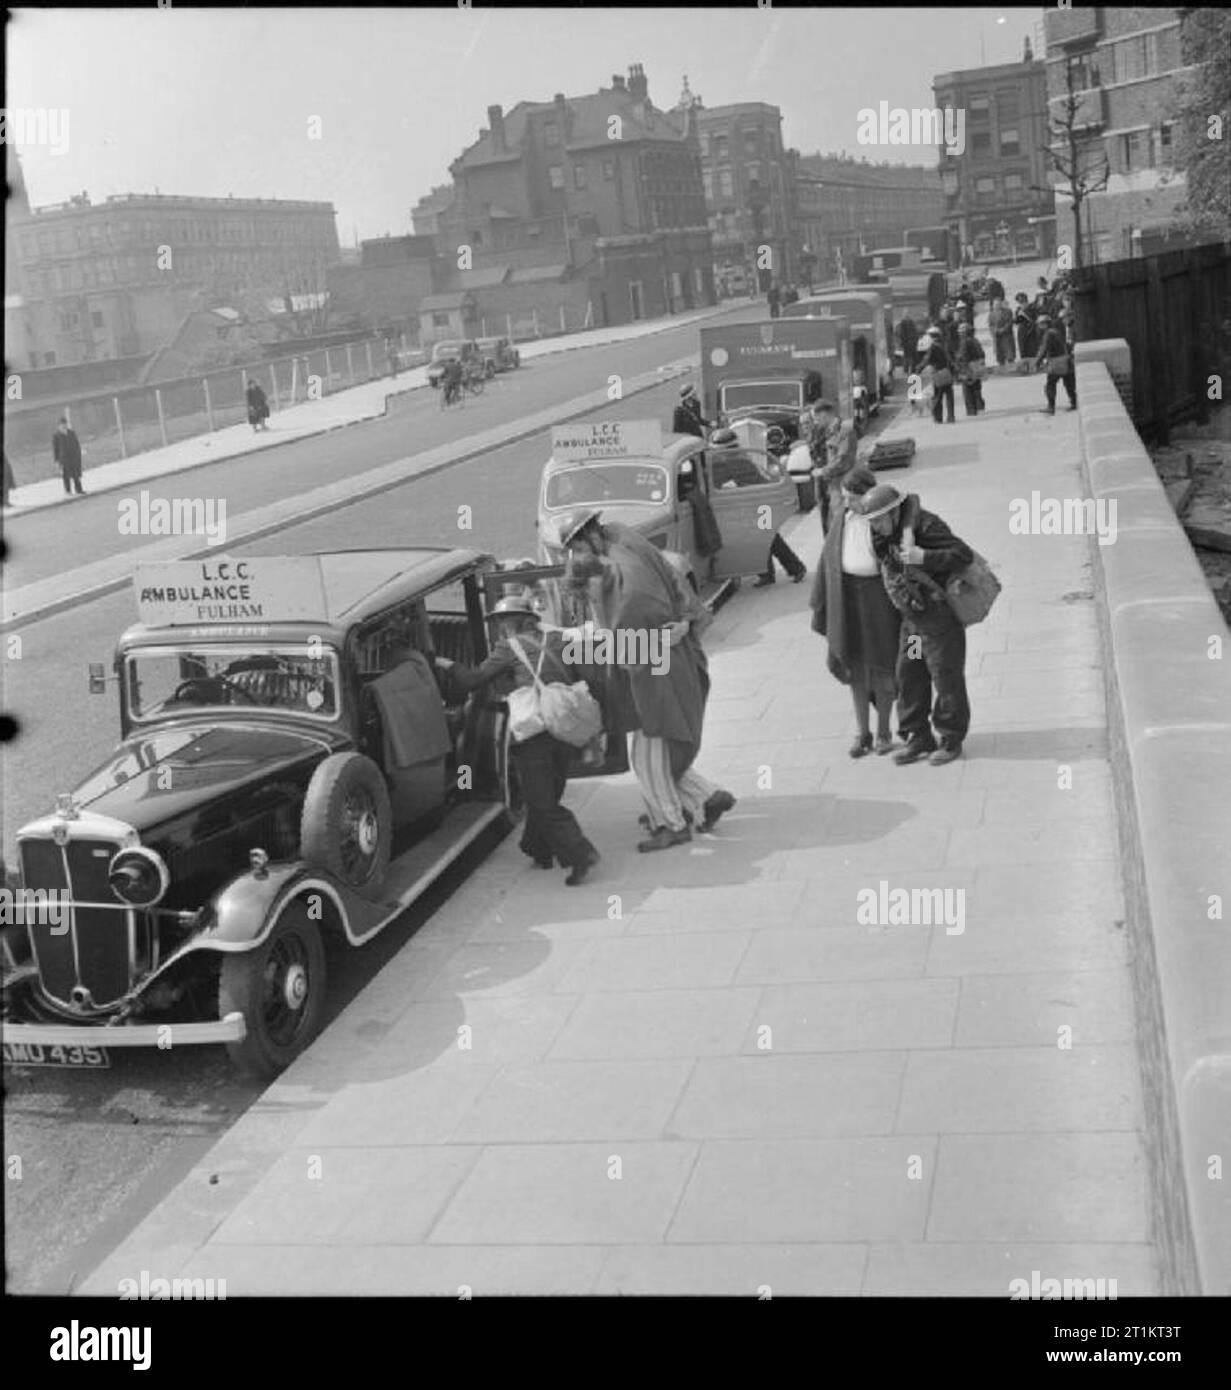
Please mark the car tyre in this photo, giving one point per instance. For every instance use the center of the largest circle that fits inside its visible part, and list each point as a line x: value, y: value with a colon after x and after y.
x: 347, y: 822
x: 279, y: 987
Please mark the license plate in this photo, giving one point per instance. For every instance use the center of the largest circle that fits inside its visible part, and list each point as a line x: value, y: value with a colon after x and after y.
x: 44, y: 1055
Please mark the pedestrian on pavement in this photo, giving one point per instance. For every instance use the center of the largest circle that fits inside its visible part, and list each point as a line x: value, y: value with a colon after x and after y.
x: 1044, y: 299
x: 258, y: 406
x: 688, y: 418
x: 919, y: 555
x: 968, y: 364
x: 10, y: 482
x: 1000, y: 326
x: 733, y: 467
x: 1059, y: 364
x: 995, y: 290
x: 1023, y: 322
x: 948, y: 328
x: 774, y: 297
x: 635, y: 588
x: 552, y: 834
x: 852, y: 611
x: 938, y: 360
x: 67, y: 450
x: 908, y: 341
x: 966, y: 297
x: 835, y: 452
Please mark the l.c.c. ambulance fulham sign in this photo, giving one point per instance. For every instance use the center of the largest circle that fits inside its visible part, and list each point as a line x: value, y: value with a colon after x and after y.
x: 608, y: 439
x: 223, y: 589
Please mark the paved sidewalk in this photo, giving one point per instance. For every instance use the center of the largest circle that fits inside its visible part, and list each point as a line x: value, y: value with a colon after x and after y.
x: 698, y: 1074
x: 357, y: 403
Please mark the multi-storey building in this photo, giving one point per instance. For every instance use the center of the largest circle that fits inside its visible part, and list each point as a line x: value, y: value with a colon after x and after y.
x: 595, y: 200
x: 749, y: 179
x: 847, y: 206
x: 998, y: 200
x: 425, y: 215
x: 1126, y: 65
x: 115, y: 279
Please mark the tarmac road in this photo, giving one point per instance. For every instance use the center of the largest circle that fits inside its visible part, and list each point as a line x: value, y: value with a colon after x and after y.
x: 99, y: 1149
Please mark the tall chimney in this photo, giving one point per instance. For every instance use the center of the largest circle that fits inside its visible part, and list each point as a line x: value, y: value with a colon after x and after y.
x: 637, y: 84
x: 617, y: 82
x: 1027, y: 55
x: 495, y: 118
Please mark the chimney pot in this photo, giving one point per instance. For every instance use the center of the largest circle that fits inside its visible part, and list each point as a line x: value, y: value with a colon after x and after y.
x: 495, y: 118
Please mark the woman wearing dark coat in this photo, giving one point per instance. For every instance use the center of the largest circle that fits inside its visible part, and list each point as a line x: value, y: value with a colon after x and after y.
x: 937, y: 358
x: 258, y: 407
x: 852, y: 611
x: 66, y: 448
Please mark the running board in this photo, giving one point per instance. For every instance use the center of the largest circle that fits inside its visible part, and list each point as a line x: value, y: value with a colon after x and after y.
x: 411, y: 874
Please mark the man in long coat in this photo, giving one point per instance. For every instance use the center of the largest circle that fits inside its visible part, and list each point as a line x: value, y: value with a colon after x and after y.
x: 637, y: 590
x: 66, y: 448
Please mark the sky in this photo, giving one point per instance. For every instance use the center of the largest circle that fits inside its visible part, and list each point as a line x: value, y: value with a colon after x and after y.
x: 226, y: 101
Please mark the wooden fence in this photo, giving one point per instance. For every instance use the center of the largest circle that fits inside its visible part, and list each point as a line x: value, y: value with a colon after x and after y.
x: 1174, y: 311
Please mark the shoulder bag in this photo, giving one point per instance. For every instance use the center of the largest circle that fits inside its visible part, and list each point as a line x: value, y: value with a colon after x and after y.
x: 567, y: 712
x: 972, y: 591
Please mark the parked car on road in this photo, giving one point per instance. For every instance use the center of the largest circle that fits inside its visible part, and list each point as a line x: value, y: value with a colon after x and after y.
x: 463, y: 350
x: 499, y: 355
x: 659, y: 484
x: 289, y: 775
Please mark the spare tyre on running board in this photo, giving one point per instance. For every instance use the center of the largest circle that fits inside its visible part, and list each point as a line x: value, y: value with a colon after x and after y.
x: 347, y: 822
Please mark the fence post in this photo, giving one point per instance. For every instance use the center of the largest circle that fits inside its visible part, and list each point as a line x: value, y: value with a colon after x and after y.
x: 1158, y: 364
x: 294, y: 379
x: 328, y: 372
x: 535, y: 314
x: 273, y: 381
x: 368, y: 349
x: 119, y: 426
x: 162, y: 421
x: 508, y: 320
x: 350, y: 366
x: 563, y: 321
x: 209, y: 406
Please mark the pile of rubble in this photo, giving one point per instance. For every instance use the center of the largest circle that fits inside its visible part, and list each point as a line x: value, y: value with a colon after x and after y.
x: 1195, y: 469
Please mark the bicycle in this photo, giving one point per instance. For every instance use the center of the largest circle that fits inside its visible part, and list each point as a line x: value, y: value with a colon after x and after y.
x: 451, y: 395
x: 474, y: 381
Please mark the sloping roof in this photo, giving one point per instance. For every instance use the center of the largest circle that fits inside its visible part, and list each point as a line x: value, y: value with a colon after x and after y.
x: 590, y: 116
x: 443, y: 301
x: 532, y: 273
x: 480, y: 279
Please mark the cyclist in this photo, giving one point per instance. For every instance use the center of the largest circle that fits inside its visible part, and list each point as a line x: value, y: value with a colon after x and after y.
x: 451, y: 383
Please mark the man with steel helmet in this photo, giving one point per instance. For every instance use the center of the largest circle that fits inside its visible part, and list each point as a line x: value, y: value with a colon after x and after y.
x: 634, y: 588
x: 552, y: 833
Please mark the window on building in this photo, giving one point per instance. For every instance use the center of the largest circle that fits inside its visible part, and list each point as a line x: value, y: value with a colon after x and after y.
x: 721, y: 147
x: 579, y: 176
x: 476, y: 237
x: 1010, y: 143
x: 609, y: 169
x: 978, y: 107
x: 1165, y: 143
x: 985, y: 189
x: 439, y: 319
x: 1083, y: 68
x: 49, y: 359
x: 96, y: 319
x: 1013, y: 183
x: 1007, y: 105
x: 555, y: 176
x: 704, y: 140
x: 980, y: 142
x: 551, y: 133
x: 726, y: 185
x: 752, y: 172
x: 752, y: 142
x: 1135, y: 150
x: 707, y: 180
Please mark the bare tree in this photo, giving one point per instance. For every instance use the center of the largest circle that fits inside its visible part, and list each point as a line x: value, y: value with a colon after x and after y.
x: 1072, y: 155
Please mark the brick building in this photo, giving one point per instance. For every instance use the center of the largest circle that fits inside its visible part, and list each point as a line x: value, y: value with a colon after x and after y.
x: 995, y: 203
x: 749, y: 179
x: 117, y: 278
x: 847, y: 206
x: 592, y: 205
x: 1127, y: 66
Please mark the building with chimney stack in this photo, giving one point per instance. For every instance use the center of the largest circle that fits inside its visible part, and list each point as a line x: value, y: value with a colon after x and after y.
x: 749, y: 181
x: 581, y: 210
x: 998, y: 199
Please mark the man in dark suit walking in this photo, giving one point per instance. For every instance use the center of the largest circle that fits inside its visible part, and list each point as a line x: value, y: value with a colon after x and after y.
x: 688, y: 418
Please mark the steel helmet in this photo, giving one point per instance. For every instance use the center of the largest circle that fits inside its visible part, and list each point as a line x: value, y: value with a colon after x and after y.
x: 571, y: 524
x: 517, y: 605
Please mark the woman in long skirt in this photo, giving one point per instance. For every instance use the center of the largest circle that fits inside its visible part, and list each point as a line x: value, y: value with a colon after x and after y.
x: 852, y: 611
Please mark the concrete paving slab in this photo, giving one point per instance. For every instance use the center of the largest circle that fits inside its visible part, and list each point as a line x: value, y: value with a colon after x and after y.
x: 1030, y: 1010
x: 967, y: 1269
x: 657, y: 1024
